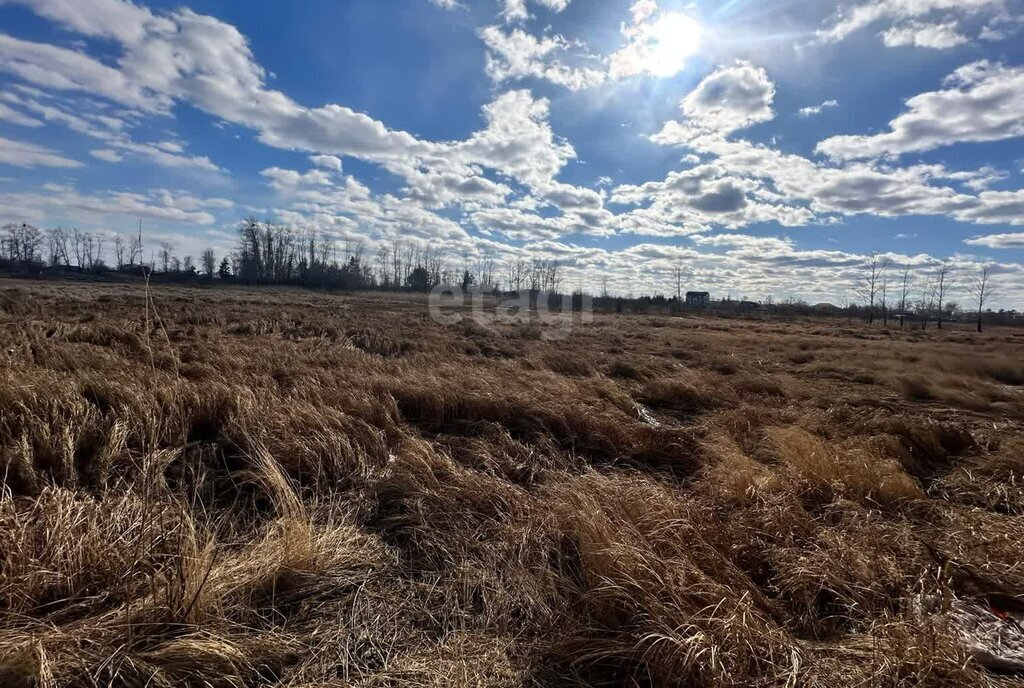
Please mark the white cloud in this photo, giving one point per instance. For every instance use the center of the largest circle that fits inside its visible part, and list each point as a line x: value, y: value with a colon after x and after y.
x: 517, y: 54
x: 22, y: 154
x: 19, y: 118
x: 515, y: 10
x: 209, y: 64
x: 983, y: 101
x: 701, y: 199
x: 61, y: 203
x: 745, y: 241
x: 812, y: 110
x: 446, y: 4
x: 106, y: 155
x: 921, y: 35
x: 117, y: 19
x: 642, y: 9
x: 518, y: 140
x: 830, y: 191
x: 791, y: 189
x: 1009, y: 240
x: 109, y: 130
x: 61, y: 69
x: 287, y: 179
x: 728, y: 99
x: 979, y: 179
x: 655, y: 43
x: 849, y: 21
x: 327, y: 162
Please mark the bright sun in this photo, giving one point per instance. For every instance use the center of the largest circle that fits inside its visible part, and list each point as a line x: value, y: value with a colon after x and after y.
x: 670, y: 41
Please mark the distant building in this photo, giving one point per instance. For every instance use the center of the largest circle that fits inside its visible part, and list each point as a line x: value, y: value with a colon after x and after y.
x: 698, y: 299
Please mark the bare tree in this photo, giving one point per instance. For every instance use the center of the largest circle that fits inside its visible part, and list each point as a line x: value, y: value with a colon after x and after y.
x: 869, y: 281
x: 677, y: 277
x: 120, y: 250
x: 97, y: 259
x: 926, y: 304
x: 209, y: 261
x: 20, y: 242
x: 980, y: 288
x: 58, y: 241
x: 78, y: 241
x: 166, y: 255
x: 553, y: 270
x: 941, y: 284
x: 485, y: 272
x: 905, y: 283
x: 884, y: 292
x: 383, y: 266
x: 135, y: 247
x: 516, y: 274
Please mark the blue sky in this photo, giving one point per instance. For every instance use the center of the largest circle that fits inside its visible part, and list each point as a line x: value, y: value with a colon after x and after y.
x: 769, y: 147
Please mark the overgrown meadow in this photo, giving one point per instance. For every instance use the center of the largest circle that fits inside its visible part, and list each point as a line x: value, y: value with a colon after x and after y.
x: 231, y: 487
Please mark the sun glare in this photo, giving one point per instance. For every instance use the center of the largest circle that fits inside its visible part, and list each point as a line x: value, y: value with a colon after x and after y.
x: 672, y: 40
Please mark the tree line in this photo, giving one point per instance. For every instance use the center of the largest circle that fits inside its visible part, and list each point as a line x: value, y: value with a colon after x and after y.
x: 267, y: 253
x: 925, y: 296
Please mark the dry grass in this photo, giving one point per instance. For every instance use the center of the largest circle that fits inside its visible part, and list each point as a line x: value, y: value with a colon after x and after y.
x: 290, y: 489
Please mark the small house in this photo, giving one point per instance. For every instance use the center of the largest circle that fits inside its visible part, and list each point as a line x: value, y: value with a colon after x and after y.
x: 697, y: 299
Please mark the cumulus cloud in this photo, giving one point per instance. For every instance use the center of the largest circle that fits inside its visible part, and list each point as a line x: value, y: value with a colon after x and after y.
x: 23, y: 154
x: 289, y: 179
x: 208, y: 63
x: 982, y: 101
x: 791, y: 189
x: 518, y: 140
x: 829, y: 191
x: 327, y: 162
x: 728, y: 99
x: 516, y: 54
x: 702, y: 198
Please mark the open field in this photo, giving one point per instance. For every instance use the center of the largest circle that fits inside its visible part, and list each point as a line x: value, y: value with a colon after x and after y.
x: 240, y: 488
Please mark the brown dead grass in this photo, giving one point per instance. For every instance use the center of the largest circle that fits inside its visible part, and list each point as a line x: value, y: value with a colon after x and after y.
x: 291, y: 489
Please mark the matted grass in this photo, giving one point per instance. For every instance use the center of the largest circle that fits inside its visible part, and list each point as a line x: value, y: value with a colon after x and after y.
x: 240, y: 487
